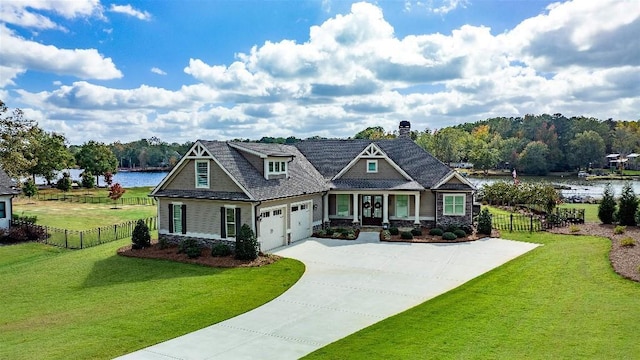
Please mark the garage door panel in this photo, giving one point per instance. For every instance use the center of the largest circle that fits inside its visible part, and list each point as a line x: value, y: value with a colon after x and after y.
x: 271, y: 229
x: 301, y: 224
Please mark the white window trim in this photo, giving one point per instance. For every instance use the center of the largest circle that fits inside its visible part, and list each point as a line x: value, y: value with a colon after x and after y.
x: 226, y: 224
x: 173, y: 218
x: 283, y: 167
x: 348, y: 205
x: 408, y: 212
x: 4, y: 206
x: 372, y: 162
x: 198, y: 186
x: 464, y: 204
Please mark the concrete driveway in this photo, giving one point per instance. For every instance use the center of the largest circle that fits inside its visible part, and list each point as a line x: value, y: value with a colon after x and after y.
x: 347, y: 286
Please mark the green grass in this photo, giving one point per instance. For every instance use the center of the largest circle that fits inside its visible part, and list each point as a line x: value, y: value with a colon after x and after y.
x: 93, y: 304
x: 559, y: 301
x: 590, y: 211
x: 79, y: 216
x: 142, y: 191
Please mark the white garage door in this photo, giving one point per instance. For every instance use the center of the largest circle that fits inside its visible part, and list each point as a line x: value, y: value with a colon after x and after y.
x: 301, y: 220
x: 271, y: 229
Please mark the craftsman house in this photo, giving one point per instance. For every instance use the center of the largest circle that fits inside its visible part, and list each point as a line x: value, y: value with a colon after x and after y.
x: 7, y: 192
x: 283, y: 192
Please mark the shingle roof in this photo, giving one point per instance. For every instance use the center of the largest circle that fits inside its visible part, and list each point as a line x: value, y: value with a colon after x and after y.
x: 7, y: 186
x: 454, y: 186
x: 202, y: 194
x: 303, y: 177
x: 264, y: 148
x: 331, y: 156
x: 382, y: 184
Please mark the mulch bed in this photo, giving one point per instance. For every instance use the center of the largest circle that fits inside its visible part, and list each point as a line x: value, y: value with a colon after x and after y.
x: 205, y: 259
x: 426, y: 238
x: 624, y: 259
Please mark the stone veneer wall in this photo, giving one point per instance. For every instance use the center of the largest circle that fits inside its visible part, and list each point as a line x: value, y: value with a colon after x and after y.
x: 466, y: 219
x: 209, y: 243
x: 410, y: 223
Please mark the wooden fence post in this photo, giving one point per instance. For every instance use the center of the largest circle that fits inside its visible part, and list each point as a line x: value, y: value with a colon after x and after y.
x: 531, y: 223
x: 511, y: 223
x: 81, y: 233
x: 66, y: 239
x: 99, y: 236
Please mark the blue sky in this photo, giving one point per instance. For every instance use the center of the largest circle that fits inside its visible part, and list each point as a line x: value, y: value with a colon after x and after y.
x: 186, y: 70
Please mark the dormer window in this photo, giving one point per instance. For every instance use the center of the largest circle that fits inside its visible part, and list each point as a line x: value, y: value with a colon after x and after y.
x: 277, y: 167
x: 202, y: 174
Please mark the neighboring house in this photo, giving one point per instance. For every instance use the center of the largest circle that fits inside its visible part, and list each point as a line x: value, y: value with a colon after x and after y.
x: 7, y: 192
x: 283, y: 192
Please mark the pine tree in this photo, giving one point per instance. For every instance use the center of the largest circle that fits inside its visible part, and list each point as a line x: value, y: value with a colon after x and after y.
x: 627, y: 206
x: 607, y: 207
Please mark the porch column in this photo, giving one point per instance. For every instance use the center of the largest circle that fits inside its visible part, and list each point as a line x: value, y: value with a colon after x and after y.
x: 325, y: 208
x: 416, y: 221
x: 355, y: 208
x: 385, y: 208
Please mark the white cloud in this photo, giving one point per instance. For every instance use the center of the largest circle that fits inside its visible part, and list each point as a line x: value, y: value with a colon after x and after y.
x: 19, y: 55
x: 440, y: 7
x: 25, y: 13
x: 129, y: 10
x: 158, y: 71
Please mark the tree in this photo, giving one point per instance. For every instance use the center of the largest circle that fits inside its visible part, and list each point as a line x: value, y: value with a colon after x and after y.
x: 586, y: 148
x: 87, y: 180
x: 29, y: 188
x: 627, y: 206
x: 607, y: 207
x: 96, y: 158
x: 115, y: 192
x: 373, y: 133
x: 447, y: 144
x: 16, y: 138
x: 140, y: 238
x: 533, y: 159
x: 65, y: 183
x: 246, y: 244
x: 484, y: 222
x: 49, y: 154
x: 108, y: 178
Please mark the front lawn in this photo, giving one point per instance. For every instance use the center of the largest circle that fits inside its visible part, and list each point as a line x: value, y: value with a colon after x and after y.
x: 93, y: 304
x: 80, y: 216
x: 590, y: 211
x: 559, y: 301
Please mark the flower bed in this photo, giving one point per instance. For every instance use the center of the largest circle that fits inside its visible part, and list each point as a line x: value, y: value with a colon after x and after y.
x: 338, y: 233
x: 425, y: 237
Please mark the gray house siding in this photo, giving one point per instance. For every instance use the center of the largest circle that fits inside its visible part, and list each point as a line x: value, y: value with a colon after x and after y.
x: 385, y: 171
x: 186, y: 177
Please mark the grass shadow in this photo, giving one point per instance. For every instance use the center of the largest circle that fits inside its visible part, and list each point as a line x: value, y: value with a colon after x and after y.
x: 119, y: 270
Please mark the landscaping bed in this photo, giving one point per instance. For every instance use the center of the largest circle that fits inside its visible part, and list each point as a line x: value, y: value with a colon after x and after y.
x: 624, y: 259
x: 337, y: 233
x: 205, y: 258
x: 426, y: 237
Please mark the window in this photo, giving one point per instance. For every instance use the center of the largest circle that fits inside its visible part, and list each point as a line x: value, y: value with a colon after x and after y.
x: 454, y: 204
x: 231, y: 221
x: 277, y: 167
x: 402, y: 206
x: 3, y: 209
x: 342, y: 208
x: 277, y: 212
x: 177, y: 218
x: 372, y: 166
x: 202, y: 174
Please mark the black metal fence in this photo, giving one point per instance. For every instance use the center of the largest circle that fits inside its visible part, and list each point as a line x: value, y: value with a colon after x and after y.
x: 90, y: 199
x: 80, y: 239
x: 533, y: 222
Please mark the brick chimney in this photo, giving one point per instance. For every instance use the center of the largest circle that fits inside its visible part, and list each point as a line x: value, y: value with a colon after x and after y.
x: 404, y: 130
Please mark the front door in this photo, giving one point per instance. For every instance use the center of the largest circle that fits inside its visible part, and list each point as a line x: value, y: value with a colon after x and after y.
x: 372, y: 210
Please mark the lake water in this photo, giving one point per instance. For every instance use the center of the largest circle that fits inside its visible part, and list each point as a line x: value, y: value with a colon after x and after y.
x: 126, y: 179
x: 578, y: 186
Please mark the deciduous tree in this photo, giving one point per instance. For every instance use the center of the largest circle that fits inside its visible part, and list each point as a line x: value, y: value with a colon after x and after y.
x: 96, y: 158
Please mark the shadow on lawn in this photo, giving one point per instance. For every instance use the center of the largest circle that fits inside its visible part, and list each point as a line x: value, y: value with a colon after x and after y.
x: 118, y: 270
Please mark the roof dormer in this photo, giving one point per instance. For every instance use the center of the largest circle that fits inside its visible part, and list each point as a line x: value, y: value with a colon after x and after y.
x: 270, y: 159
x: 277, y: 167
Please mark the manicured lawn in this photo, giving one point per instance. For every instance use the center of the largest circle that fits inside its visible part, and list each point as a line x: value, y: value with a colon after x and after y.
x: 79, y: 216
x: 142, y: 191
x: 93, y: 304
x: 590, y: 213
x: 559, y: 301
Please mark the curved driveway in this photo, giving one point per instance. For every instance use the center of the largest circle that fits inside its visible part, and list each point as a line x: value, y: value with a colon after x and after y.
x: 347, y: 286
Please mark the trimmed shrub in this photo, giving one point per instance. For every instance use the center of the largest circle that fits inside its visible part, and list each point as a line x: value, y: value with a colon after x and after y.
x: 25, y: 218
x: 140, y: 238
x: 406, y: 235
x: 394, y: 230
x: 351, y: 235
x: 163, y: 243
x: 221, y: 250
x: 246, y: 244
x: 619, y: 229
x: 190, y: 247
x: 607, y: 207
x: 87, y: 179
x: 628, y: 241
x: 574, y: 228
x: 385, y: 235
x: 65, y: 183
x: 628, y: 205
x: 29, y: 188
x: 460, y: 233
x: 416, y: 232
x: 449, y: 236
x: 484, y: 222
x: 436, y: 232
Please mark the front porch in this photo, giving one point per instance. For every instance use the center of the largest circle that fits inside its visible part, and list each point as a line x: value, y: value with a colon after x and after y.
x: 372, y: 208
